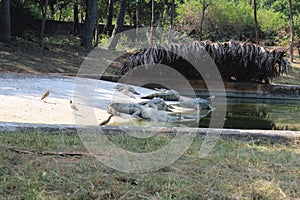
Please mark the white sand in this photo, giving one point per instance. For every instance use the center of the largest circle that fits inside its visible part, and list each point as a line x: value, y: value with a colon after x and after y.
x: 20, y: 99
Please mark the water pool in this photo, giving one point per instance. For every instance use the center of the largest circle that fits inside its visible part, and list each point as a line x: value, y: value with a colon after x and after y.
x: 260, y: 114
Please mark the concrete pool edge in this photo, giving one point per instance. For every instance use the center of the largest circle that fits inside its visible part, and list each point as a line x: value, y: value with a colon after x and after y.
x: 239, y: 134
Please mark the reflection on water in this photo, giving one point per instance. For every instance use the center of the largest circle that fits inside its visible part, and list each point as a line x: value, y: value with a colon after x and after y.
x: 263, y: 114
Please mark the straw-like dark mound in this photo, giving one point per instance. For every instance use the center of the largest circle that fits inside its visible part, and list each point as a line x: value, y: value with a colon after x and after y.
x: 236, y: 61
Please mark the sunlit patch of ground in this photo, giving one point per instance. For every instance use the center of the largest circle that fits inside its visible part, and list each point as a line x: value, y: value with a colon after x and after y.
x: 293, y: 77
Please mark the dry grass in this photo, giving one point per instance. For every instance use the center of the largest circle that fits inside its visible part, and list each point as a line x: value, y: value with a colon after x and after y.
x: 293, y: 77
x: 233, y: 170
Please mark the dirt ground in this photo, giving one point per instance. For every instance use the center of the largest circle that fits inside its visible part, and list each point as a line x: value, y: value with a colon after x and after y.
x: 65, y: 59
x: 21, y: 56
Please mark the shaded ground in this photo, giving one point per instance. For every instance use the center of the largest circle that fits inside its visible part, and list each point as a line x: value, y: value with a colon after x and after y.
x: 28, y: 57
x: 24, y: 56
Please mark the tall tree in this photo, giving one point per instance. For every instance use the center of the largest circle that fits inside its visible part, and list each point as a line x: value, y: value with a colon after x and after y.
x: 162, y: 11
x: 172, y: 15
x: 137, y: 14
x: 96, y: 29
x: 89, y: 25
x: 172, y: 21
x: 5, y: 21
x: 256, y: 22
x: 292, y: 31
x: 150, y: 38
x: 137, y: 19
x: 204, y: 7
x: 76, y: 18
x: 118, y: 27
x: 44, y: 9
x: 109, y: 16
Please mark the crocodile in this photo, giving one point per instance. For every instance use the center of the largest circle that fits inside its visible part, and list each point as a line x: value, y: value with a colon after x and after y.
x: 141, y: 112
x: 158, y: 104
x: 172, y: 95
x: 133, y: 109
x: 168, y: 95
x: 127, y: 90
x: 198, y: 102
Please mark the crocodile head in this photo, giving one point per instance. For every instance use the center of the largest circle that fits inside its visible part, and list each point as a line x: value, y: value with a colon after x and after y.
x: 111, y: 110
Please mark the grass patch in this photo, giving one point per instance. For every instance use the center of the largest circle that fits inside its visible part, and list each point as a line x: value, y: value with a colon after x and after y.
x: 232, y: 170
x: 293, y: 77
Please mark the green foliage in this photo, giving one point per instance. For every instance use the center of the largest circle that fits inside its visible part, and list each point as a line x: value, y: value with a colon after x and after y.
x: 233, y: 19
x: 270, y: 21
x: 282, y: 6
x: 63, y: 12
x: 103, y: 40
x: 188, y: 9
x: 30, y: 35
x: 62, y: 40
x: 223, y: 20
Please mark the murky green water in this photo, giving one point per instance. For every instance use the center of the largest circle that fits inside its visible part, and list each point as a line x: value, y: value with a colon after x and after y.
x: 260, y: 114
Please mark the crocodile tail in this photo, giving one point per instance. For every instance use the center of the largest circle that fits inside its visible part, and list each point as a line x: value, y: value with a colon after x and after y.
x: 147, y: 97
x: 106, y: 121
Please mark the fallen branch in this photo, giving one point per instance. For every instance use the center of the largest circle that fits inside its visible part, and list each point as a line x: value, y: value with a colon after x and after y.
x: 48, y: 153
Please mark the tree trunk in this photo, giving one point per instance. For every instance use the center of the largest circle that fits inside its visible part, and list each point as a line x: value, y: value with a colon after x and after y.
x: 256, y: 23
x: 76, y: 18
x: 88, y: 31
x: 172, y: 21
x: 129, y: 13
x: 292, y: 31
x: 44, y: 12
x: 298, y: 47
x: 137, y: 14
x: 5, y: 21
x: 52, y: 11
x: 172, y: 15
x: 152, y: 25
x: 118, y: 26
x: 109, y: 17
x: 84, y: 4
x: 137, y: 20
x: 161, y: 20
x: 161, y: 14
x: 96, y: 29
x: 204, y: 7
